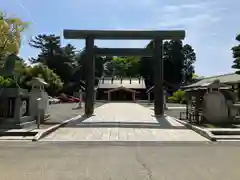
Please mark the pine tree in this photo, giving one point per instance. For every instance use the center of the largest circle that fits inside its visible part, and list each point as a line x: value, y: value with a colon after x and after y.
x: 236, y: 56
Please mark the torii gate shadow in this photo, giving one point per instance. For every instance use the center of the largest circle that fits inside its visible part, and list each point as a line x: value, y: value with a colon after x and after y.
x: 162, y: 123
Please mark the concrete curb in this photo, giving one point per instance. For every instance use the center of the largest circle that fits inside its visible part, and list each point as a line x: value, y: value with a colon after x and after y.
x: 132, y: 143
x: 198, y: 130
x: 54, y: 128
x: 9, y: 138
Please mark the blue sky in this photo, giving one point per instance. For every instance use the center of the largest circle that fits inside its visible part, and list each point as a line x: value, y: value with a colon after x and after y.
x: 211, y: 25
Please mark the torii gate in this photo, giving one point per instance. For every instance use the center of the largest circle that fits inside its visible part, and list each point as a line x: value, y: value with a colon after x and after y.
x: 156, y: 53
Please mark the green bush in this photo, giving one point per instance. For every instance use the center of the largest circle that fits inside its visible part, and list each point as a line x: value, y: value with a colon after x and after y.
x: 55, y: 84
x: 172, y: 99
x: 177, y: 97
x: 6, y: 82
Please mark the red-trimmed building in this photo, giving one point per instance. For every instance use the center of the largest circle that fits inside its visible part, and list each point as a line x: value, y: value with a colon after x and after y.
x: 121, y: 89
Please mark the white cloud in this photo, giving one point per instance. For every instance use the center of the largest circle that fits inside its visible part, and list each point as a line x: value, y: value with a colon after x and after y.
x: 194, y: 18
x: 173, y: 21
x: 186, y: 15
x: 174, y: 8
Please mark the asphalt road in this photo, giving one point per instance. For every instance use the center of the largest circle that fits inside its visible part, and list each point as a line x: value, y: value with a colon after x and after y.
x: 74, y: 161
x: 64, y: 111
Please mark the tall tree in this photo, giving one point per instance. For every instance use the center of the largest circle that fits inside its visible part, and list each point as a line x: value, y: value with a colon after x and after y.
x: 49, y: 46
x: 99, y: 63
x: 79, y: 72
x: 178, y: 63
x: 60, y: 59
x: 236, y: 55
x: 10, y: 34
x: 174, y: 60
x: 189, y: 60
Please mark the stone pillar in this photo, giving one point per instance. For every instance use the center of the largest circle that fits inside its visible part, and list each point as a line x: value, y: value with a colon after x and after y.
x: 149, y: 98
x: 80, y: 97
x: 95, y: 96
x: 158, y: 77
x: 109, y: 96
x: 165, y: 100
x: 134, y: 96
x: 90, y: 76
x: 41, y: 109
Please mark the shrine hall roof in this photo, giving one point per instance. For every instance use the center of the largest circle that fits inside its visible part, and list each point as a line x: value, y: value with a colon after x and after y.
x: 130, y: 83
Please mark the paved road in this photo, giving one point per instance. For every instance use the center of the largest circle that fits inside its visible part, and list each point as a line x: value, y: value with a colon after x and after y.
x: 64, y: 111
x: 73, y: 161
x: 124, y: 122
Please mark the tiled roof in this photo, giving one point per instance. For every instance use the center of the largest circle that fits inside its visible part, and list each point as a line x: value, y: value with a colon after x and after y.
x: 226, y: 79
x: 130, y: 83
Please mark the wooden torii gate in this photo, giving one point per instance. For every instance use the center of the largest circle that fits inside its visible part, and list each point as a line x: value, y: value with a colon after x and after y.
x: 156, y: 53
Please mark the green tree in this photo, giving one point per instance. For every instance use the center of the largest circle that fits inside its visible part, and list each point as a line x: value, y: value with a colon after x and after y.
x: 42, y: 71
x: 10, y: 34
x: 194, y: 76
x: 236, y: 56
x: 49, y: 46
x: 99, y: 63
x: 189, y: 60
x: 60, y: 59
x: 13, y: 75
x: 173, y: 61
x: 6, y: 82
x: 177, y: 97
x: 178, y: 63
x: 79, y: 72
x: 123, y: 66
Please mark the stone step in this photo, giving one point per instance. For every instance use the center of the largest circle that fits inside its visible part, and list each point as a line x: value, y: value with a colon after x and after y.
x: 18, y: 133
x: 226, y: 137
x: 17, y: 138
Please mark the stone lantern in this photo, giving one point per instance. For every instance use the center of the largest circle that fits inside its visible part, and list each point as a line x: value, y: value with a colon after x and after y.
x: 38, y: 91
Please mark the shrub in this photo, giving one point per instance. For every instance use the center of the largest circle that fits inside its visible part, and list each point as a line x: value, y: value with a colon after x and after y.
x: 54, y: 81
x: 177, y: 97
x: 6, y: 82
x: 172, y: 99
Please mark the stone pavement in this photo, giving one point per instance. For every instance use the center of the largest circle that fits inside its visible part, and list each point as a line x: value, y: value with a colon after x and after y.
x: 173, y: 109
x: 124, y: 122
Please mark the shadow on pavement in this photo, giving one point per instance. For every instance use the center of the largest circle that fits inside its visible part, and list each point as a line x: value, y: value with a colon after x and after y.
x: 80, y: 120
x: 50, y: 123
x: 162, y: 123
x: 166, y: 124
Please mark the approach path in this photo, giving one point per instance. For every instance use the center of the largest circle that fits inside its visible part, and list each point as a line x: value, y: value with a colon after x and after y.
x: 124, y: 122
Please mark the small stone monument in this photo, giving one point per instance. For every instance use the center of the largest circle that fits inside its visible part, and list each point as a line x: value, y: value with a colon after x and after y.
x: 215, y: 108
